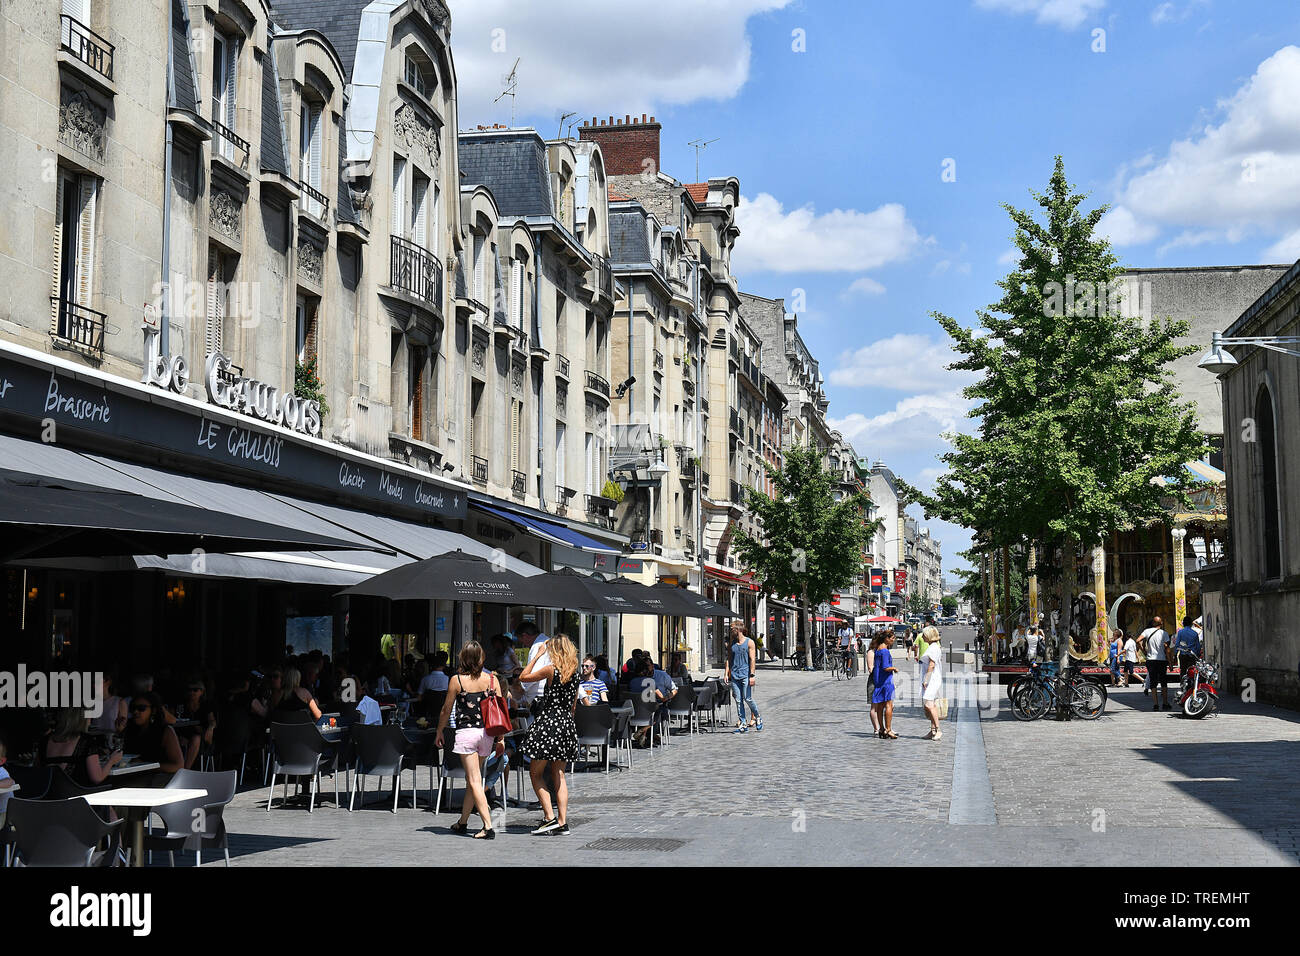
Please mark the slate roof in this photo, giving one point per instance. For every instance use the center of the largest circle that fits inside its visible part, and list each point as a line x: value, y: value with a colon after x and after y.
x: 275, y: 156
x: 513, y: 166
x: 182, y: 62
x: 628, y: 243
x: 338, y: 20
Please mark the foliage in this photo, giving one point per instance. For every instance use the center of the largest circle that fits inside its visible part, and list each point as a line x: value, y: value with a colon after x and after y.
x: 612, y: 490
x: 810, y: 545
x: 1078, y: 411
x: 307, y: 385
x: 949, y: 603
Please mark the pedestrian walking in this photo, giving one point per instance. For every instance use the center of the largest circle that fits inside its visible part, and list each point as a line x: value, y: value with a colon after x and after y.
x: 932, y: 683
x: 882, y: 696
x: 552, y: 741
x: 1155, y: 639
x: 740, y: 675
x: 1187, y: 645
x: 876, y: 638
x: 1130, y: 658
x: 465, y: 692
x: 1035, y: 641
x: 1116, y: 655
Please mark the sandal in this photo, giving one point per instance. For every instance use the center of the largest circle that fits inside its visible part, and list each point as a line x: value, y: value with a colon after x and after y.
x: 459, y: 828
x: 487, y: 833
x: 891, y: 736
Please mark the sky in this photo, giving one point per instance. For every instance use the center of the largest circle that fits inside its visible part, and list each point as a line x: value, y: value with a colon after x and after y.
x: 876, y: 141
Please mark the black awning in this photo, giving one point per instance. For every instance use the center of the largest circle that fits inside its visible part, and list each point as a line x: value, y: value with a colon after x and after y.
x: 47, y: 517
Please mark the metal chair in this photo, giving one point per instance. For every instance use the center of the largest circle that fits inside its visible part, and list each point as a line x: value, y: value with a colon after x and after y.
x: 644, y: 715
x: 703, y: 705
x: 60, y: 833
x: 180, y: 819
x: 297, y: 753
x: 34, y: 781
x: 380, y: 750
x: 595, y: 724
x: 233, y: 738
x: 453, y: 770
x: 682, y: 705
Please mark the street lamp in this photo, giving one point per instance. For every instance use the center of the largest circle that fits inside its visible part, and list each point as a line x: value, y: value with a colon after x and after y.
x: 1219, y: 361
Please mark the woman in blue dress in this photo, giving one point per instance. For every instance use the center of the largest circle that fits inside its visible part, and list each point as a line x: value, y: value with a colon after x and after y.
x: 882, y: 680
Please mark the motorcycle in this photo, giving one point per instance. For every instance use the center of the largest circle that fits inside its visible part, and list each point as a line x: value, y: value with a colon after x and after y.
x: 1198, y: 695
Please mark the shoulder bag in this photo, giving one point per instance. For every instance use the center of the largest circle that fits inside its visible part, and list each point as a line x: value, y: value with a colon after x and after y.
x: 496, y: 715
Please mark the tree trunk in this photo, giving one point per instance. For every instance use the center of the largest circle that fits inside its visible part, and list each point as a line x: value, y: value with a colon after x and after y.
x: 1067, y: 601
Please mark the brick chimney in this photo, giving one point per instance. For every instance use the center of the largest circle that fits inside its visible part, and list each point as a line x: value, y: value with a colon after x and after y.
x: 627, y: 144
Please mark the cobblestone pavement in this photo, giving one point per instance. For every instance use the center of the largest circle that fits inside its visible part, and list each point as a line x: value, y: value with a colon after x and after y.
x: 815, y: 787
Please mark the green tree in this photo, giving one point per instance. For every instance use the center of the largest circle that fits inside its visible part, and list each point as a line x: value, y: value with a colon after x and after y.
x: 949, y: 603
x: 1082, y: 432
x: 808, y: 544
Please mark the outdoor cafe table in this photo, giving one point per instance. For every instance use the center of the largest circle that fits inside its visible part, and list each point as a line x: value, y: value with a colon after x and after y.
x: 136, y: 766
x: 136, y: 803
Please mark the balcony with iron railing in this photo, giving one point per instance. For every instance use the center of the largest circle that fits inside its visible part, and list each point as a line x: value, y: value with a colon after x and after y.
x: 658, y: 360
x: 563, y: 496
x: 86, y: 46
x: 518, y: 483
x: 688, y: 386
x: 735, y: 424
x: 415, y: 271
x: 480, y: 466
x: 601, y: 510
x: 77, y: 327
x: 704, y: 480
x: 704, y: 404
x: 737, y: 493
x: 600, y: 278
x: 562, y: 366
x: 226, y: 143
x: 312, y: 201
x: 598, y: 384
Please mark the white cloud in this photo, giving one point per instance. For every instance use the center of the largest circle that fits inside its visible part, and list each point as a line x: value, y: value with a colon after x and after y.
x: 905, y: 362
x: 1009, y: 258
x: 944, y: 265
x: 633, y: 57
x: 1231, y: 180
x: 1122, y: 229
x: 915, y: 424
x: 1172, y: 13
x: 1286, y: 249
x: 801, y: 240
x: 1066, y: 14
x: 864, y: 286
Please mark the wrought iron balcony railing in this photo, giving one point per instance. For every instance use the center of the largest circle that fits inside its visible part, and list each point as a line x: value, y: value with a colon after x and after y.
x: 737, y: 492
x: 78, y: 326
x: 597, y: 384
x: 415, y: 270
x: 480, y: 469
x: 562, y: 365
x: 659, y: 360
x: 313, y: 201
x: 518, y: 483
x: 86, y: 45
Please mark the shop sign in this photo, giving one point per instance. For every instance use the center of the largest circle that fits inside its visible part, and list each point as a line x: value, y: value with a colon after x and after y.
x: 252, y: 397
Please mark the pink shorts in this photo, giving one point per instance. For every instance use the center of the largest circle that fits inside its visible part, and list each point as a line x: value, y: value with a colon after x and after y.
x: 473, y: 740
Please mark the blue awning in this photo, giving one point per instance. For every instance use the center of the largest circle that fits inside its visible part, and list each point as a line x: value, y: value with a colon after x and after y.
x: 550, y: 531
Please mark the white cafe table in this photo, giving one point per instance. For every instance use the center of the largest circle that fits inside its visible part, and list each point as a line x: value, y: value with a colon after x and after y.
x: 136, y: 766
x: 136, y: 804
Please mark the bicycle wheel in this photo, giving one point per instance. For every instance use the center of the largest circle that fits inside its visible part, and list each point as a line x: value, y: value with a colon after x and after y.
x: 1087, y: 701
x: 1031, y: 702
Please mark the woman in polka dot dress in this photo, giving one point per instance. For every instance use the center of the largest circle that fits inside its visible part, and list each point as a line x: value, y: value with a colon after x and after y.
x: 552, y: 740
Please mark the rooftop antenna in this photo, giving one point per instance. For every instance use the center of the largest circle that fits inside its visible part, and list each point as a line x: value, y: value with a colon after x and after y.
x: 699, y: 144
x: 511, y: 81
x: 560, y: 131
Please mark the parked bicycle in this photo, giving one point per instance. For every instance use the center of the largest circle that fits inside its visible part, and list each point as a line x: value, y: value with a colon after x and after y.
x: 1042, y: 692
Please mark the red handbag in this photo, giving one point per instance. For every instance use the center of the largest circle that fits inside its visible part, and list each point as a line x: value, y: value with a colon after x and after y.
x: 496, y: 715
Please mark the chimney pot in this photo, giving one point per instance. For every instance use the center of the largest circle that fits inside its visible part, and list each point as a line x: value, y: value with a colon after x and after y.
x: 627, y: 117
x: 611, y: 121
x: 652, y: 119
x: 643, y: 117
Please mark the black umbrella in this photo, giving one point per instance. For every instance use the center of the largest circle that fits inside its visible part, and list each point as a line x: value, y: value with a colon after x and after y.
x: 49, y: 518
x: 460, y: 576
x: 608, y: 597
x: 673, y: 601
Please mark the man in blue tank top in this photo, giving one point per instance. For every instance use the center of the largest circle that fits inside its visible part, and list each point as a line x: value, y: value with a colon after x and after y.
x: 740, y: 675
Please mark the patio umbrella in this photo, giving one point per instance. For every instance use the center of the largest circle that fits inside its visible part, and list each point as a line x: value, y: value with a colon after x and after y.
x: 882, y: 619
x: 611, y: 597
x: 460, y: 576
x: 671, y: 600
x: 50, y: 518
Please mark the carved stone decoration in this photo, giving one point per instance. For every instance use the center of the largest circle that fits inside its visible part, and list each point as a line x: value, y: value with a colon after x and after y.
x: 81, y: 124
x: 480, y: 357
x: 311, y: 261
x: 224, y: 214
x: 408, y: 126
x: 436, y: 12
x: 517, y: 377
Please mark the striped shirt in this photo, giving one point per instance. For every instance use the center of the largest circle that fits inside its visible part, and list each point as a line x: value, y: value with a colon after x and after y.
x: 592, y: 689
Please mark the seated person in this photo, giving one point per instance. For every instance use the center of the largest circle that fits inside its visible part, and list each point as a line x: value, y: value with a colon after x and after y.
x: 677, y: 670
x: 436, y: 679
x: 368, y: 711
x: 70, y: 747
x: 6, y: 785
x: 297, y: 704
x: 603, y: 671
x: 643, y: 686
x: 195, y: 707
x: 592, y: 690
x: 150, y: 737
x: 662, y: 681
x: 112, y: 718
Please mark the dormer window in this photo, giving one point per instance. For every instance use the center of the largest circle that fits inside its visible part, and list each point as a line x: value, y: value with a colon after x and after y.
x: 225, y: 59
x: 420, y: 74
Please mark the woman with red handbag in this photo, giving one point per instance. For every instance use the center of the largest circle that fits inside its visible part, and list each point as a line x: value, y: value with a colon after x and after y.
x: 476, y: 697
x: 552, y: 741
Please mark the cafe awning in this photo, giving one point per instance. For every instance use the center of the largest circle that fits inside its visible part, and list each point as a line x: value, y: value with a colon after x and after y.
x: 549, y: 530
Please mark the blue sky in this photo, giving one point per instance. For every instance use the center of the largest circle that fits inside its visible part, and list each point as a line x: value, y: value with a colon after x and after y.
x: 1183, y: 115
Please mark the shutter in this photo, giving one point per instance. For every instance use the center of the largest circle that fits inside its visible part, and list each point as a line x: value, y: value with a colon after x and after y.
x: 559, y: 455
x: 312, y: 314
x: 417, y: 394
x: 479, y: 275
x: 216, y: 304
x: 397, y: 226
x: 433, y: 244
x: 56, y: 267
x: 420, y: 190
x: 315, y: 146
x: 300, y: 331
x: 86, y: 239
x: 514, y: 435
x: 79, y: 11
x: 591, y: 471
x: 517, y: 296
x: 232, y: 57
